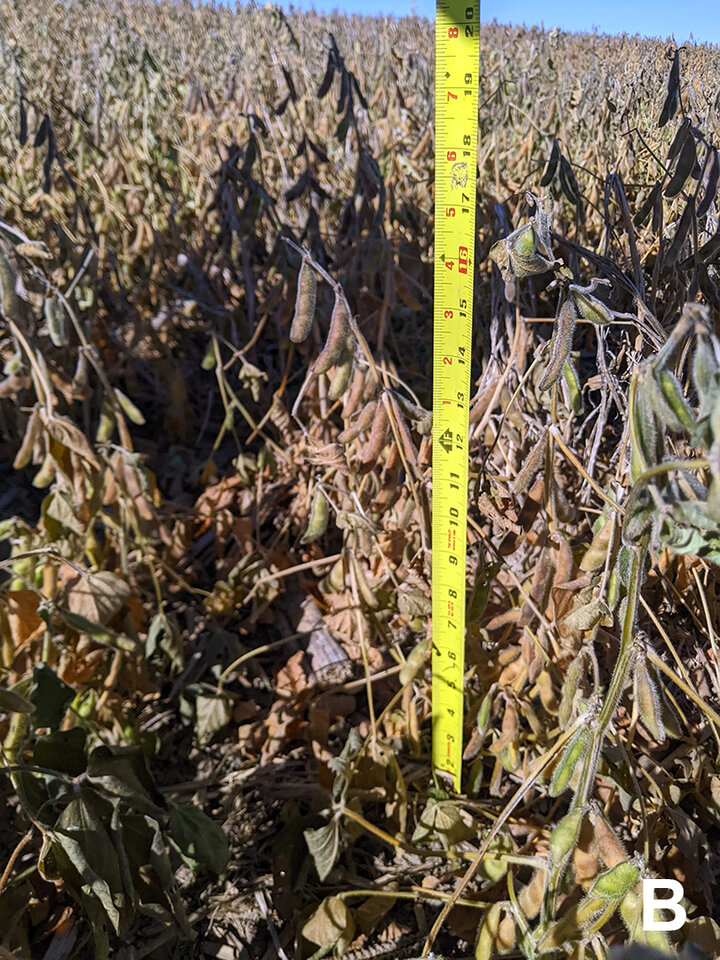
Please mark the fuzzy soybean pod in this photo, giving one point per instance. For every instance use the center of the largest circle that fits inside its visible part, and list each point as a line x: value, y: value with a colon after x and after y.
x: 343, y: 370
x: 56, y: 320
x: 32, y: 433
x: 564, y: 836
x: 352, y: 401
x: 678, y: 412
x: 615, y: 883
x: 647, y: 443
x: 377, y: 439
x: 561, y: 343
x: 364, y: 589
x: 319, y: 513
x: 304, y: 303
x: 360, y: 423
x: 647, y: 698
x: 571, y: 388
x: 589, y: 306
x: 337, y: 335
x: 45, y: 475
x: 574, y: 753
x: 406, y: 439
x: 487, y: 932
x: 9, y: 303
x: 532, y: 464
x: 570, y: 687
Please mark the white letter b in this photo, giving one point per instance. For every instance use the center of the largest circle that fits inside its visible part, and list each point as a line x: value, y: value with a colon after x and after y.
x: 651, y: 903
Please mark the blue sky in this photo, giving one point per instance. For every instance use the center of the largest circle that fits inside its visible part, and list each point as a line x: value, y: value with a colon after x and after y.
x: 654, y: 18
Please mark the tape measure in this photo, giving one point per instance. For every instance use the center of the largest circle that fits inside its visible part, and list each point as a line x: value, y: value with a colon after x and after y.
x: 457, y: 55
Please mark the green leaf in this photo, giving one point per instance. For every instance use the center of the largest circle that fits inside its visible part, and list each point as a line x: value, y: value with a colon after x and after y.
x: 147, y: 850
x: 95, y: 630
x: 324, y: 846
x: 198, y: 837
x: 81, y: 842
x: 122, y: 772
x: 212, y: 714
x: 50, y: 696
x: 62, y: 750
x: 164, y: 635
x: 98, y: 918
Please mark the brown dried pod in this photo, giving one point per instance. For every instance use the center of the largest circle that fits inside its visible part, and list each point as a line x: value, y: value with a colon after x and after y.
x: 608, y: 843
x: 32, y: 432
x: 361, y: 422
x: 506, y: 935
x: 377, y: 439
x: 647, y: 698
x: 570, y: 687
x: 343, y: 370
x: 540, y: 590
x: 364, y: 590
x: 304, y: 303
x: 406, y: 440
x: 533, y: 463
x: 352, y: 401
x: 596, y: 554
x: 530, y: 897
x: 34, y: 248
x: 393, y: 463
x: 337, y: 336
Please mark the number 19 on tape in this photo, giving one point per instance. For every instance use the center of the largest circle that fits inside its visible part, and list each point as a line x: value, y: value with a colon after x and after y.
x: 457, y: 51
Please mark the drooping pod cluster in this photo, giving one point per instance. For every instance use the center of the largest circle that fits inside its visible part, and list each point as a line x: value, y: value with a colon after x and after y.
x: 677, y: 508
x: 366, y: 407
x: 527, y: 252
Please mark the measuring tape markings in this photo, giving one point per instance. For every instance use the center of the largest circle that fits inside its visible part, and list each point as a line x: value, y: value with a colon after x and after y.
x: 457, y: 50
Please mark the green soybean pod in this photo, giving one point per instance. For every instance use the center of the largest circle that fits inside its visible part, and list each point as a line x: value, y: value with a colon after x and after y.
x: 615, y: 883
x: 564, y: 836
x: 56, y: 320
x: 573, y: 754
x: 561, y: 343
x: 319, y: 514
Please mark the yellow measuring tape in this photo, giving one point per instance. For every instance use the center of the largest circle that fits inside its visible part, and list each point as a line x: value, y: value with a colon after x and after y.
x: 457, y: 54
